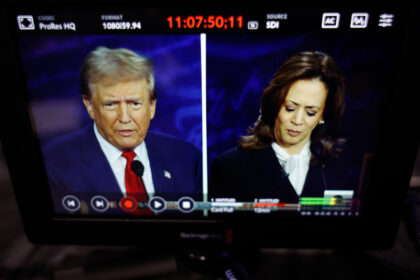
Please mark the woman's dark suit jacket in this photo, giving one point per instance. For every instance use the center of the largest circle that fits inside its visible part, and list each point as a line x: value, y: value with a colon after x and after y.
x: 250, y: 174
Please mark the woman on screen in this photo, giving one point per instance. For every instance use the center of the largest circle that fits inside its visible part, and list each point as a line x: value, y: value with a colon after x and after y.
x: 292, y: 140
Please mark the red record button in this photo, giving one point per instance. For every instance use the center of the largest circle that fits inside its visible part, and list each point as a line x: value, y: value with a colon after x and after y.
x: 128, y: 204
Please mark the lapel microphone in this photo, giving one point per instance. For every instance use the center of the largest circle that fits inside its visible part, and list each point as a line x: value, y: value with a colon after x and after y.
x: 137, y: 168
x: 316, y: 149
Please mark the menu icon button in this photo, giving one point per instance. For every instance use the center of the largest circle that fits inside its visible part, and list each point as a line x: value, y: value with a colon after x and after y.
x: 386, y: 20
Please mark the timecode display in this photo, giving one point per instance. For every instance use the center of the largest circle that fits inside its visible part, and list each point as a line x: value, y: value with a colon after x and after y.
x: 200, y: 21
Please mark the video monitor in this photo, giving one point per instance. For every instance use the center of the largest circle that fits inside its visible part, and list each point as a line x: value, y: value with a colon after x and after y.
x: 197, y: 117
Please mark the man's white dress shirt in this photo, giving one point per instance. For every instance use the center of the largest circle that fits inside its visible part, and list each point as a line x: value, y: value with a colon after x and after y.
x: 117, y: 163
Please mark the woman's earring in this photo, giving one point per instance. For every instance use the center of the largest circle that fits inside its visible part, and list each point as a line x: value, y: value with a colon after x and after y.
x: 321, y: 122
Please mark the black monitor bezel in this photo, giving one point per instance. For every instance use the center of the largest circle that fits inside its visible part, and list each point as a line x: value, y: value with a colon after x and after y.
x: 375, y: 229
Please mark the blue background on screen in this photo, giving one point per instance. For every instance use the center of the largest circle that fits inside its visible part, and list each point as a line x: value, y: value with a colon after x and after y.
x: 239, y: 68
x: 52, y: 64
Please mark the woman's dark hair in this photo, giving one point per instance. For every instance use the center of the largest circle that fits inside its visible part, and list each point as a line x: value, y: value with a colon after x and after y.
x: 302, y: 66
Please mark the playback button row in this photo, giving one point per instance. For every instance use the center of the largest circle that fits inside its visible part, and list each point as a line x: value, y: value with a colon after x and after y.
x: 101, y: 204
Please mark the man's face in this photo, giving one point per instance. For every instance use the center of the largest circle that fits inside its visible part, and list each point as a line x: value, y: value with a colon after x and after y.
x: 122, y: 112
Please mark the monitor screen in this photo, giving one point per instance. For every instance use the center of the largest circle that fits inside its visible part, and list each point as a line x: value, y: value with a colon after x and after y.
x: 164, y: 114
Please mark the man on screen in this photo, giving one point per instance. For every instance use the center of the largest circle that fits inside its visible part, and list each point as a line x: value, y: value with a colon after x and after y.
x: 117, y: 88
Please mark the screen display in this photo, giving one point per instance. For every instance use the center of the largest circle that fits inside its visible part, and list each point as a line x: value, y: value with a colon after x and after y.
x: 206, y: 113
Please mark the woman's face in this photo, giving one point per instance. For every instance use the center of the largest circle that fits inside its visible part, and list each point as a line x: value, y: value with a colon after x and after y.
x: 299, y: 114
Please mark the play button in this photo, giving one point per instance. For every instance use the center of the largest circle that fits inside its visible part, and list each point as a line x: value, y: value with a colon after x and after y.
x: 157, y: 204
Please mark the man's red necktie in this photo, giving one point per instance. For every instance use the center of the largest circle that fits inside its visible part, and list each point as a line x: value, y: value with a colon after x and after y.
x: 134, y: 185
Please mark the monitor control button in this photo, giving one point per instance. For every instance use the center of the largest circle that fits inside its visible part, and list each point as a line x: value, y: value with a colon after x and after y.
x: 186, y: 204
x: 99, y: 203
x: 157, y: 204
x: 71, y: 203
x: 128, y: 204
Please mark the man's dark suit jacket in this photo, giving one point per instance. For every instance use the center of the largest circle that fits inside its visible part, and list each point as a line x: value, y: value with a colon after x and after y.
x: 76, y: 165
x: 250, y: 174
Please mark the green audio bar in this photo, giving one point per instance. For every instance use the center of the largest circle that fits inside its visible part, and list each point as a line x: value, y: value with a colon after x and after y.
x: 317, y: 201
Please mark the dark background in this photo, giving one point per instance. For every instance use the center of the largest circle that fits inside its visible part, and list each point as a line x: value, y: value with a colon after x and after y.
x: 21, y: 260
